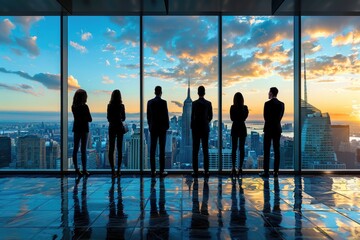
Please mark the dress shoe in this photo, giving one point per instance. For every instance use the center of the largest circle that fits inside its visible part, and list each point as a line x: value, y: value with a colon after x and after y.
x: 153, y: 174
x: 86, y: 173
x: 163, y: 174
x: 264, y: 174
x: 233, y: 173
x: 194, y: 174
x: 276, y: 174
x: 206, y: 174
x: 118, y: 173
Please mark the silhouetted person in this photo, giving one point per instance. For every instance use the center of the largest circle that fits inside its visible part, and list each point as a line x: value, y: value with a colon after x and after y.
x: 238, y: 114
x: 81, y: 214
x: 273, y: 218
x: 200, y: 215
x: 82, y: 117
x: 273, y: 113
x: 238, y: 213
x: 158, y: 120
x: 115, y: 116
x: 159, y: 221
x: 201, y: 115
x: 116, y: 227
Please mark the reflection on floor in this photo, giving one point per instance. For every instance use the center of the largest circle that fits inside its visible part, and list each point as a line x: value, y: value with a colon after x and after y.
x: 180, y: 207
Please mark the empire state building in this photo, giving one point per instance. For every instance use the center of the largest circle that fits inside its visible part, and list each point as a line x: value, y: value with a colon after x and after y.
x: 186, y: 138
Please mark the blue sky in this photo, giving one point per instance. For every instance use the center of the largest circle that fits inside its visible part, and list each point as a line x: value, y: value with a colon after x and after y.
x: 104, y: 55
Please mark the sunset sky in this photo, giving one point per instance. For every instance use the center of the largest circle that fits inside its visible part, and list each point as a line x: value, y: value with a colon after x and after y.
x: 104, y: 55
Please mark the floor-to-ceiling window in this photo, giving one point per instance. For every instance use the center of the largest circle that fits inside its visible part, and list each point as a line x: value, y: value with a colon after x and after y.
x: 30, y: 92
x: 104, y: 55
x: 257, y: 55
x: 180, y: 54
x: 330, y: 103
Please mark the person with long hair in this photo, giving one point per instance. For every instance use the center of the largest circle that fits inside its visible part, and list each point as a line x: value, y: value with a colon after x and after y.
x: 82, y: 117
x: 238, y: 114
x: 115, y: 116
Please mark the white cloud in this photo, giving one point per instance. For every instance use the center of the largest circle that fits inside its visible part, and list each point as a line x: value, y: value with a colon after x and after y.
x: 29, y: 43
x: 78, y: 47
x: 86, y: 36
x: 7, y: 58
x: 107, y: 80
x: 27, y: 21
x: 121, y: 76
x: 109, y: 47
x: 6, y: 26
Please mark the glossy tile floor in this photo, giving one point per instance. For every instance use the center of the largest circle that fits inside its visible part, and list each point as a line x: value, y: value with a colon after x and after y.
x: 180, y: 207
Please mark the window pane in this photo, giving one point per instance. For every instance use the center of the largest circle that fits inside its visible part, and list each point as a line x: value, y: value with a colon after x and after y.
x: 104, y: 56
x: 330, y: 99
x: 30, y: 92
x: 257, y: 55
x: 180, y: 55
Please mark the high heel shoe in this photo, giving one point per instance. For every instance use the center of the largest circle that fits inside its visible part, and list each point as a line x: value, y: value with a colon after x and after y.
x: 79, y: 173
x: 86, y: 173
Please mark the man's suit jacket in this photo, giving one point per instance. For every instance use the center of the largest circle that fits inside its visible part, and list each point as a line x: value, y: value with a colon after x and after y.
x: 273, y: 113
x: 201, y: 115
x: 157, y: 115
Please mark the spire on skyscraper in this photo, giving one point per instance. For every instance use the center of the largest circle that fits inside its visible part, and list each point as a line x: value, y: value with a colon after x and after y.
x: 188, y: 91
x: 305, y: 87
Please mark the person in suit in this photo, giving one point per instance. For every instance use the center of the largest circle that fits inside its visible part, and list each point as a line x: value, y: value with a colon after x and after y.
x: 82, y: 117
x: 273, y: 113
x: 115, y: 116
x: 201, y: 115
x: 238, y: 114
x: 158, y: 120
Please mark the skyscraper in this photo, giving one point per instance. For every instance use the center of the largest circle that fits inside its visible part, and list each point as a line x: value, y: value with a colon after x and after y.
x: 134, y: 152
x: 286, y: 155
x: 255, y: 142
x: 186, y: 138
x: 52, y: 154
x: 5, y: 151
x: 316, y: 143
x: 31, y: 152
x: 341, y: 135
x: 317, y: 149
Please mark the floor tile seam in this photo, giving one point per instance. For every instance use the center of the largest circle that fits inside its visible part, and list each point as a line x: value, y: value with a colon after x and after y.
x: 344, y: 215
x: 323, y: 232
x: 316, y: 226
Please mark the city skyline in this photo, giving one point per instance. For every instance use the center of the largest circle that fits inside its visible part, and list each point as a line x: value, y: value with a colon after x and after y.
x: 106, y: 57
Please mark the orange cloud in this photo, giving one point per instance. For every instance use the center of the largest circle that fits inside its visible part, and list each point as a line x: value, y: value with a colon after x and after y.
x: 73, y: 83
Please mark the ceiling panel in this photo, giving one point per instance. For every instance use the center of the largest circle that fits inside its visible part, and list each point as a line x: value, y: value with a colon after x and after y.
x: 180, y: 7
